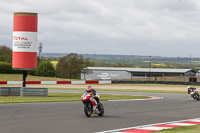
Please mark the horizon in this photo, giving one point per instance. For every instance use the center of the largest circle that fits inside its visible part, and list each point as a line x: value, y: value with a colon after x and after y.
x: 126, y: 55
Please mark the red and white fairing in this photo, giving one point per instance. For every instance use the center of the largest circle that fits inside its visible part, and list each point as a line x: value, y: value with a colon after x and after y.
x: 25, y: 41
x: 87, y: 96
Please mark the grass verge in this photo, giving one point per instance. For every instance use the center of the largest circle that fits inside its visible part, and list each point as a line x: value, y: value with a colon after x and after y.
x: 186, y: 129
x: 167, y: 85
x: 18, y: 77
x: 63, y: 97
x: 127, y: 90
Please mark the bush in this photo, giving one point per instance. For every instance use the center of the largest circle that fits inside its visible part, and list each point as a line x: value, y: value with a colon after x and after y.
x: 5, y: 54
x: 32, y: 72
x: 45, y: 69
x: 7, y: 68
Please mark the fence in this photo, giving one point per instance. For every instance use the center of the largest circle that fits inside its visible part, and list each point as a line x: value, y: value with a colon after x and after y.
x: 168, y: 78
x: 33, y: 92
x: 154, y: 82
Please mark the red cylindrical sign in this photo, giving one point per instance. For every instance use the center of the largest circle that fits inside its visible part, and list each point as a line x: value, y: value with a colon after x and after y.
x: 24, y: 55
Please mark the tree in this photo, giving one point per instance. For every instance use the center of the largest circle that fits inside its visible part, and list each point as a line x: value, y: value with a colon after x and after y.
x: 33, y: 72
x: 5, y: 54
x: 71, y: 66
x: 46, y: 69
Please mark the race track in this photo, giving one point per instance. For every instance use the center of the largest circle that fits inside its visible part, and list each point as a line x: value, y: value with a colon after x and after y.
x: 68, y: 117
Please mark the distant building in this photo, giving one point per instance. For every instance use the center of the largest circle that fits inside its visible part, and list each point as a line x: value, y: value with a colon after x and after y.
x: 130, y: 73
x: 198, y: 73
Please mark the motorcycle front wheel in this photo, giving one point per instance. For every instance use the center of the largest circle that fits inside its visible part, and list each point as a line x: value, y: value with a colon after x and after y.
x: 88, y: 110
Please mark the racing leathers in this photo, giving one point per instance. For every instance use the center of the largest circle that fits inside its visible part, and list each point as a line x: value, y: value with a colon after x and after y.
x: 94, y: 99
x: 191, y: 89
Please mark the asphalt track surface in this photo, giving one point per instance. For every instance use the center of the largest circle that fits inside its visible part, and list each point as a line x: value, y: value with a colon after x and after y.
x: 68, y: 117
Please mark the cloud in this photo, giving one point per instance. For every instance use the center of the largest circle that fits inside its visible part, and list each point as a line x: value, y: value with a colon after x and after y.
x: 165, y: 28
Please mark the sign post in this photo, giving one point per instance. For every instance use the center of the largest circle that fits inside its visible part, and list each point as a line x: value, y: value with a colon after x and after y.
x: 24, y: 55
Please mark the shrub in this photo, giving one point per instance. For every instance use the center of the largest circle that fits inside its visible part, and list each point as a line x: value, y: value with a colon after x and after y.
x: 45, y: 69
x: 7, y: 68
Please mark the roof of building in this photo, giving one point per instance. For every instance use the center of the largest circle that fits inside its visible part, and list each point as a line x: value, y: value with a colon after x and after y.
x: 156, y: 70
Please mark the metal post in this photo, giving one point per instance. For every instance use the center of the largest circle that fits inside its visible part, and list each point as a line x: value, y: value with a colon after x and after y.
x: 40, y: 49
x: 24, y: 78
x: 149, y: 67
x: 190, y: 60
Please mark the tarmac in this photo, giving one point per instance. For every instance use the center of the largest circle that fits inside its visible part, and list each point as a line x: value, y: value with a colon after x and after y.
x: 69, y: 117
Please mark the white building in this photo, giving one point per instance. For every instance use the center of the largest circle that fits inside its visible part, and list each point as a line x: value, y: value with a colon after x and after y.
x: 130, y: 73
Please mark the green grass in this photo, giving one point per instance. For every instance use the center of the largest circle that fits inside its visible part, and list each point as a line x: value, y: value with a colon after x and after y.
x: 127, y: 90
x: 186, y: 129
x: 19, y: 77
x: 152, y: 91
x: 62, y: 97
x: 168, y: 85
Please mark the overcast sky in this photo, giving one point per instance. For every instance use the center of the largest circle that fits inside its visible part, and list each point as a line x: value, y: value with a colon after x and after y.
x: 130, y: 27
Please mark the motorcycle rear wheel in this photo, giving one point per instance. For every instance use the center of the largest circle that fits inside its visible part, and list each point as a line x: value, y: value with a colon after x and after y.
x: 193, y: 96
x: 101, y: 109
x: 197, y: 97
x: 87, y: 110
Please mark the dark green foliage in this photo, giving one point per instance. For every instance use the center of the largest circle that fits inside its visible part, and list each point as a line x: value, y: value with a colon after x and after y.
x: 5, y: 54
x: 45, y: 69
x: 71, y: 66
x: 7, y: 68
x: 32, y: 72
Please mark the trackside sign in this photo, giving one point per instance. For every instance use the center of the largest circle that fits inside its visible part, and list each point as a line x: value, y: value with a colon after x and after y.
x: 24, y: 42
x: 24, y: 55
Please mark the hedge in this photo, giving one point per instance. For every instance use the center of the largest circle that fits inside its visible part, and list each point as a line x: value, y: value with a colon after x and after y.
x: 7, y: 68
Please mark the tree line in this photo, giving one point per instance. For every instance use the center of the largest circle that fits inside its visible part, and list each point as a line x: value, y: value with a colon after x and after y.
x: 69, y: 66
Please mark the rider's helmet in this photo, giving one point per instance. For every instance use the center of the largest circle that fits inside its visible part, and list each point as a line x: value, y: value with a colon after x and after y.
x: 89, y: 88
x: 188, y: 87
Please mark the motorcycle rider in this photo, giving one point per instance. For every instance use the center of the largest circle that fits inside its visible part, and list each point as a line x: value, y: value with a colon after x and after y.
x: 190, y: 89
x: 94, y: 99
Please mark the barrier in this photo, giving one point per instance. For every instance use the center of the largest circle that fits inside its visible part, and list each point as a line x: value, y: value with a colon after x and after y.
x: 3, y: 82
x: 63, y: 82
x: 33, y: 92
x: 9, y: 91
x: 91, y: 82
x: 58, y: 82
x: 105, y: 82
x: 78, y: 82
x: 101, y: 82
x: 33, y: 82
x: 48, y: 82
x: 14, y: 82
x: 24, y: 91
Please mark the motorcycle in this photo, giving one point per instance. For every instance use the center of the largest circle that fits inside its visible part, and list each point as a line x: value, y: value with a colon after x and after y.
x: 194, y: 94
x: 88, y: 108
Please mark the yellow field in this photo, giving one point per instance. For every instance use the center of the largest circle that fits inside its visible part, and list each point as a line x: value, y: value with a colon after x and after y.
x: 158, y: 64
x: 195, y: 61
x: 54, y: 63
